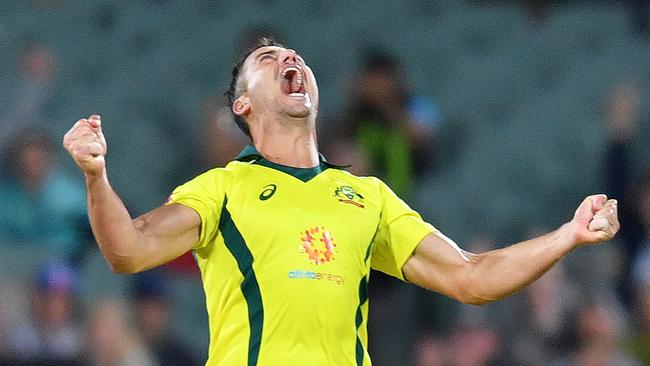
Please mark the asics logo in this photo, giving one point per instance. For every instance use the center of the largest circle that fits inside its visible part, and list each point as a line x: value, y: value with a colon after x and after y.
x: 267, y: 192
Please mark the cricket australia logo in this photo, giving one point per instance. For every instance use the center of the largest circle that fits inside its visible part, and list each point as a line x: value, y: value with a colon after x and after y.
x: 347, y: 194
x: 318, y: 245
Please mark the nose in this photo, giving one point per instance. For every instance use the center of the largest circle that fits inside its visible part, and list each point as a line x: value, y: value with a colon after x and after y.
x: 288, y: 57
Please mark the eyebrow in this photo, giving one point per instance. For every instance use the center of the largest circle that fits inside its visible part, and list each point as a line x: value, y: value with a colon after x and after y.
x: 265, y: 53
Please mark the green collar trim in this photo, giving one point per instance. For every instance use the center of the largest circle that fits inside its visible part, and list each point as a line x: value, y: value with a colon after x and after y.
x: 250, y: 153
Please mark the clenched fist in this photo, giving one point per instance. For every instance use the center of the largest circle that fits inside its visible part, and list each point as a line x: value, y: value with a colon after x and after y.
x: 596, y: 220
x: 86, y: 144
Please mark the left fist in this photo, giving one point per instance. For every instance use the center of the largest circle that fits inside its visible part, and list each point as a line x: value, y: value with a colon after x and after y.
x: 595, y: 220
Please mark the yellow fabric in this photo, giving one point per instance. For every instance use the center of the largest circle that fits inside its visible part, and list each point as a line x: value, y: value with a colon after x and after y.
x: 310, y: 295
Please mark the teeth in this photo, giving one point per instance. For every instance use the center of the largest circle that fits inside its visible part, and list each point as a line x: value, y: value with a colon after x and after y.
x: 296, y: 81
x: 291, y: 68
x: 296, y: 95
x: 298, y: 75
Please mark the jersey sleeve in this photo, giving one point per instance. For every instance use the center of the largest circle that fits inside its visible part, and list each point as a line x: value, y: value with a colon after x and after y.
x: 205, y: 195
x: 400, y: 231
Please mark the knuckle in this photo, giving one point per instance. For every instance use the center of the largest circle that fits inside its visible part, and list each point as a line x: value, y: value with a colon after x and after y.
x: 79, y: 151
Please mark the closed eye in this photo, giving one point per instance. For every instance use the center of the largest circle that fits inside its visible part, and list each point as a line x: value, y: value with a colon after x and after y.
x: 267, y: 56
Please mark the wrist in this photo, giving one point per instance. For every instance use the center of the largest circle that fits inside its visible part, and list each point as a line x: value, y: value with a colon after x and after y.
x: 95, y: 177
x: 568, y: 236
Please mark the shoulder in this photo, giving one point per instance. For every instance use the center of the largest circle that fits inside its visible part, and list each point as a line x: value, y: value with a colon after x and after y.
x: 218, y: 178
x: 367, y: 182
x: 221, y: 174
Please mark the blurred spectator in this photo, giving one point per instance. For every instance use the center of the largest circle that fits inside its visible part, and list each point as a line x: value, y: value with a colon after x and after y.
x: 639, y: 343
x: 40, y: 205
x: 640, y: 271
x: 640, y: 11
x: 537, y: 324
x: 50, y: 335
x: 474, y: 346
x: 344, y: 150
x: 151, y: 298
x: 639, y: 241
x: 222, y: 140
x: 112, y: 341
x: 14, y: 311
x: 393, y: 127
x: 36, y: 68
x: 622, y: 115
x: 594, y: 336
x: 4, y: 327
x: 466, y: 346
x: 431, y: 351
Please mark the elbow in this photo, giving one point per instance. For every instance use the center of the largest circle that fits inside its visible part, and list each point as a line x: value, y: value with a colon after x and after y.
x: 468, y: 294
x: 121, y: 260
x: 474, y: 300
x: 123, y: 269
x: 124, y: 266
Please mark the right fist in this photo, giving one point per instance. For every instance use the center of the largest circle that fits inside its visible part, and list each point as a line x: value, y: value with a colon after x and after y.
x: 86, y: 144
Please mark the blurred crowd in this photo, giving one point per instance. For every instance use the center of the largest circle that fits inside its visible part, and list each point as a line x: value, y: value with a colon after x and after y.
x: 593, y: 309
x: 43, y: 322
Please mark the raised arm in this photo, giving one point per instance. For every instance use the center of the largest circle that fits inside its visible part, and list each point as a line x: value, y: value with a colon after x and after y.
x: 440, y: 265
x: 128, y: 245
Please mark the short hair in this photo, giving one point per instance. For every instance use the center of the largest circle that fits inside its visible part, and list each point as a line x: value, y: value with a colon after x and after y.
x: 235, y: 90
x: 28, y: 136
x: 378, y: 60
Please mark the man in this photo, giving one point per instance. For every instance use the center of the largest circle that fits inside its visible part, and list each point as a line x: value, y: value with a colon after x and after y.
x: 285, y: 240
x: 41, y: 206
x: 50, y: 334
x: 150, y: 296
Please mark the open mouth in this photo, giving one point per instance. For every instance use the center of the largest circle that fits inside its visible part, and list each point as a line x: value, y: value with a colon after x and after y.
x: 292, y: 82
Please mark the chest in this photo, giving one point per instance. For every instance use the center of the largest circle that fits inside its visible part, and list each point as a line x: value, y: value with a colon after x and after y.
x: 319, y: 224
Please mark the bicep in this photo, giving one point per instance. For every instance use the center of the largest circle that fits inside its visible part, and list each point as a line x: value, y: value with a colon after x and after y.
x: 168, y: 232
x: 438, y: 264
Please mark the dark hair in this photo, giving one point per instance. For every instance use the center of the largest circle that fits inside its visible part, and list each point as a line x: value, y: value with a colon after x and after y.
x: 378, y: 60
x: 233, y: 91
x: 26, y: 137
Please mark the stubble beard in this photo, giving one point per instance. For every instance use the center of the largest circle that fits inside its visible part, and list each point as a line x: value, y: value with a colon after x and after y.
x: 303, y: 112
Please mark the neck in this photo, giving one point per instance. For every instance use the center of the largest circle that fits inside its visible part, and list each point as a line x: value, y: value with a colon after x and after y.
x: 290, y: 144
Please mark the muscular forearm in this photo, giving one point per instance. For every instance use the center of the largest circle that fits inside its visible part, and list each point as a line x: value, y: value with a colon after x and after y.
x: 440, y: 265
x: 128, y: 245
x: 499, y: 273
x: 116, y: 235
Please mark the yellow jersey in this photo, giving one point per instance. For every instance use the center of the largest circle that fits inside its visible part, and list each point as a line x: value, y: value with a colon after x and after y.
x: 285, y: 255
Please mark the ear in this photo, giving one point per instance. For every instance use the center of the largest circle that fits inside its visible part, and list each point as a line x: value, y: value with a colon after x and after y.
x: 241, y: 106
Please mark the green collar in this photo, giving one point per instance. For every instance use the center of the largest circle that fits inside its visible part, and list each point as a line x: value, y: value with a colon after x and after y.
x: 250, y: 153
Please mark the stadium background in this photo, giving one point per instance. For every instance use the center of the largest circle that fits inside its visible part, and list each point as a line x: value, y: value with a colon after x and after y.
x: 519, y: 102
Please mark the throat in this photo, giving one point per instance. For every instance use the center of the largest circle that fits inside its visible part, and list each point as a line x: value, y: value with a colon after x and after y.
x: 301, y: 161
x: 296, y: 154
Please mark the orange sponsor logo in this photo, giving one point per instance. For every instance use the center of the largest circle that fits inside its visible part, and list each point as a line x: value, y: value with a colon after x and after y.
x: 318, y: 245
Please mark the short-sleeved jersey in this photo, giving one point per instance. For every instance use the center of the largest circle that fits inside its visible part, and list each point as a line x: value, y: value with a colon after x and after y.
x: 285, y: 255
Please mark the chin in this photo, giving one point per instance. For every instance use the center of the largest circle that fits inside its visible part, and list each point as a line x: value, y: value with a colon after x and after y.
x: 299, y: 112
